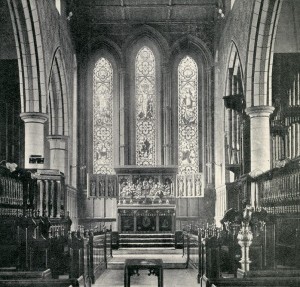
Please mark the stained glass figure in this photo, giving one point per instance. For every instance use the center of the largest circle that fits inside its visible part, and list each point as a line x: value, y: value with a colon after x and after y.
x: 188, y: 157
x: 103, y: 117
x: 145, y: 97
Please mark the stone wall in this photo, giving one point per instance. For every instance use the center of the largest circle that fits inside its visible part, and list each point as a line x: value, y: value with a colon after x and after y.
x: 233, y: 29
x: 7, y: 41
x: 56, y: 34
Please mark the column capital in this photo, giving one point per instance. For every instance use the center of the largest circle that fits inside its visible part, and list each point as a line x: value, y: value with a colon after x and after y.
x: 259, y: 111
x: 58, y: 141
x: 32, y: 117
x: 122, y: 70
x: 165, y: 67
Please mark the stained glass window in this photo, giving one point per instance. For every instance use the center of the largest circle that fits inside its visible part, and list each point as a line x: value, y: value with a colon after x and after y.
x: 145, y: 97
x: 103, y: 117
x: 188, y: 158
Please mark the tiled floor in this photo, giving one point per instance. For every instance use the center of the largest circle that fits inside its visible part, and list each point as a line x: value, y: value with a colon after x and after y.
x: 172, y: 278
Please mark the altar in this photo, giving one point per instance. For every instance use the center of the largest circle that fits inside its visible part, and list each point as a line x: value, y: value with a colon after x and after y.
x: 148, y: 218
x: 146, y: 199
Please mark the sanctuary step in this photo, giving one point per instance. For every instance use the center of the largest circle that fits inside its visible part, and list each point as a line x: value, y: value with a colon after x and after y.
x: 146, y: 240
x: 172, y: 258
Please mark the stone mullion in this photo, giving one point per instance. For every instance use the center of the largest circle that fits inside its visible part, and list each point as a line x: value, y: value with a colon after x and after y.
x: 122, y: 144
x: 167, y: 117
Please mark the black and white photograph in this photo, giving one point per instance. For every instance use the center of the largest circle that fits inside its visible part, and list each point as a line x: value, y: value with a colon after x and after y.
x: 149, y: 143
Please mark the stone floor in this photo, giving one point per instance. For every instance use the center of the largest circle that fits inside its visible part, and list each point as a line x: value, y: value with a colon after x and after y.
x: 172, y: 278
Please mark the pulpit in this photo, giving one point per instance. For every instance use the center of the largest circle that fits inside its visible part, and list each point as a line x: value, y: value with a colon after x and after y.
x: 146, y: 199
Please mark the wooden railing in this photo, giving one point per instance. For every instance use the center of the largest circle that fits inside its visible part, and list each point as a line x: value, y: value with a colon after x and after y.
x: 100, y: 250
x: 201, y: 247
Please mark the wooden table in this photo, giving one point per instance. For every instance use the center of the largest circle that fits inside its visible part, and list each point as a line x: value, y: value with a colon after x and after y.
x: 132, y: 266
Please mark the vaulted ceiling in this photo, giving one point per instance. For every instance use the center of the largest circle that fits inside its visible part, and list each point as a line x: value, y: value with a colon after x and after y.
x: 117, y: 17
x: 150, y: 11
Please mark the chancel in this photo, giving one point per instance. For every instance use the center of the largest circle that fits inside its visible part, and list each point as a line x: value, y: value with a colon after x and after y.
x: 149, y: 137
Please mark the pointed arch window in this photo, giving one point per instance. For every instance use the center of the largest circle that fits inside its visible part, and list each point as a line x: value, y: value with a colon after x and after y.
x: 188, y: 143
x: 145, y: 99
x: 103, y: 117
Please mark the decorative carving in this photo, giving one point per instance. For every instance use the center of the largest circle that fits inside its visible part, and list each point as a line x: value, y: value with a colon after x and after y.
x: 189, y: 185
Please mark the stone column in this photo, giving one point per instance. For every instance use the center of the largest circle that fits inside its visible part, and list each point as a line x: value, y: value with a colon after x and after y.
x: 59, y: 153
x: 260, y: 137
x: 34, y: 137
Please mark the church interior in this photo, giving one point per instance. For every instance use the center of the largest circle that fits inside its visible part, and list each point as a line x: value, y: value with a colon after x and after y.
x: 149, y: 137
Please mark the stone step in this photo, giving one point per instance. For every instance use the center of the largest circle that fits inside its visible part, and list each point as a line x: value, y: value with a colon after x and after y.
x: 146, y: 245
x: 149, y: 250
x: 146, y: 239
x: 166, y: 265
x: 24, y: 274
x: 146, y: 235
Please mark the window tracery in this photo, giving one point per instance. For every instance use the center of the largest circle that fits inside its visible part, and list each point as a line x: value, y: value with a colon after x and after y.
x: 188, y: 158
x: 103, y: 117
x: 145, y: 95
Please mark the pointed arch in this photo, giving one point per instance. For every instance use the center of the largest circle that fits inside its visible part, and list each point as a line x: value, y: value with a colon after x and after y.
x: 146, y: 111
x: 236, y: 125
x: 188, y: 141
x: 58, y: 107
x: 103, y: 117
x: 29, y: 45
x: 196, y: 49
x: 260, y: 52
x: 103, y: 43
x: 192, y: 43
x: 152, y: 35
